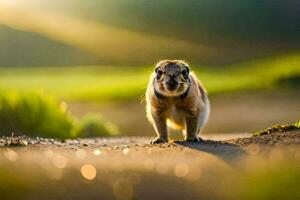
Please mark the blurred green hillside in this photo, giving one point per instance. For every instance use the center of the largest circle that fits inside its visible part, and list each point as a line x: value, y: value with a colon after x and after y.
x: 51, y: 33
x: 106, y: 83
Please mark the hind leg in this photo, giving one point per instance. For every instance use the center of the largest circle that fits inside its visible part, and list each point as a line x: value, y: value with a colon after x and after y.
x: 202, y: 121
x: 194, y: 126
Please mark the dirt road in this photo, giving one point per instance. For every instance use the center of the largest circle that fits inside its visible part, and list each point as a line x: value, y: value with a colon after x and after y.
x: 131, y: 168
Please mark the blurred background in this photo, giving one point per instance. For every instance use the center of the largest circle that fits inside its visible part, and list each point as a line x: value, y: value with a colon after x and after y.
x: 80, y: 68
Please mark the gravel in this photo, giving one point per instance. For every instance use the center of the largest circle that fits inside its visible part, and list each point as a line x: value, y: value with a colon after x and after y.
x: 282, y: 137
x: 277, y: 137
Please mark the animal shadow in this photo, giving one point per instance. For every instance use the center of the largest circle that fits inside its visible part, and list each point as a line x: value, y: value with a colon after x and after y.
x: 224, y: 150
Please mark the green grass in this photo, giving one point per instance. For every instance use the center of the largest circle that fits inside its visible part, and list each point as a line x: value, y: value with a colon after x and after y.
x: 93, y: 125
x: 34, y: 114
x: 107, y: 83
x: 279, y: 128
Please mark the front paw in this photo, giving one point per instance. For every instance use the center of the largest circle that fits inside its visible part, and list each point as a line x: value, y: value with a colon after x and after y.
x: 193, y: 139
x: 159, y: 140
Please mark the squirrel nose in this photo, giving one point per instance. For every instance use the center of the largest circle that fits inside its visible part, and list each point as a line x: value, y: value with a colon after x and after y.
x: 172, y: 77
x: 171, y: 80
x: 171, y: 84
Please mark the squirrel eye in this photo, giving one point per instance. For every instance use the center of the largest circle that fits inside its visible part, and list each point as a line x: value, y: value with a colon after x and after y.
x: 185, y: 73
x: 159, y: 73
x: 158, y: 70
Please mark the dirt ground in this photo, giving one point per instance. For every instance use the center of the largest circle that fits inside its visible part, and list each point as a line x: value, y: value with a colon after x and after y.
x: 130, y: 168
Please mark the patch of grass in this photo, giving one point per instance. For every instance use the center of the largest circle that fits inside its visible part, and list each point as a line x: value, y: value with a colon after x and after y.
x: 106, y: 83
x: 35, y: 114
x: 93, y: 125
x: 279, y: 128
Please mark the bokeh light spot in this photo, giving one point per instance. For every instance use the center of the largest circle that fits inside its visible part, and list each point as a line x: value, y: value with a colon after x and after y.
x: 59, y: 161
x: 125, y: 151
x: 181, y: 170
x: 80, y: 154
x: 10, y: 155
x: 149, y: 164
x: 49, y: 153
x: 123, y: 189
x: 97, y: 152
x: 88, y: 171
x: 162, y: 168
x: 194, y: 175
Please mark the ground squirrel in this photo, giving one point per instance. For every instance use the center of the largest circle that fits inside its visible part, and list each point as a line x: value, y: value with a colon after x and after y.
x: 175, y: 98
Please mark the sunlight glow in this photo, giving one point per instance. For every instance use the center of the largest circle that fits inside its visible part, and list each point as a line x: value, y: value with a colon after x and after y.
x: 98, y: 38
x: 9, y: 2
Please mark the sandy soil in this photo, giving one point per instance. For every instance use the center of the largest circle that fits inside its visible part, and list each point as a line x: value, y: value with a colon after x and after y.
x: 130, y: 168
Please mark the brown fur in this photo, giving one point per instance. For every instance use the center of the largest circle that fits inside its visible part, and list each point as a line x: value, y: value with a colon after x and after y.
x: 188, y: 114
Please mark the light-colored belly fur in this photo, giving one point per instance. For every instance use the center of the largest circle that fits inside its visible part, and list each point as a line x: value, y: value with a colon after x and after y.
x: 176, y: 118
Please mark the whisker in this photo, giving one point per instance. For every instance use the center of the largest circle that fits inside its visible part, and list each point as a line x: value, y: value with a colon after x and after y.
x: 142, y: 98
